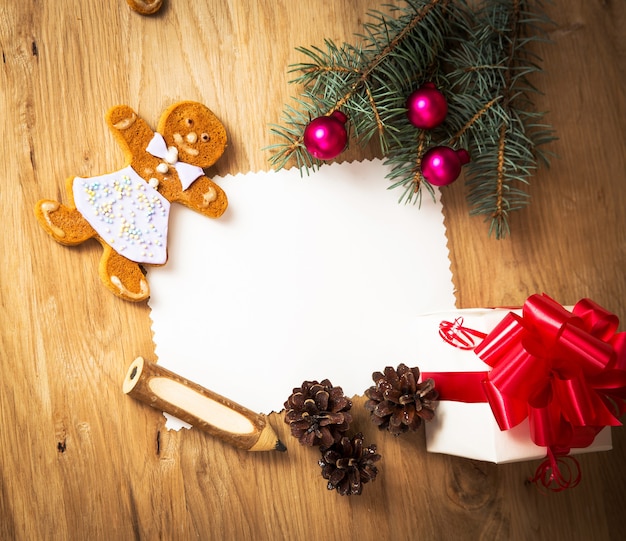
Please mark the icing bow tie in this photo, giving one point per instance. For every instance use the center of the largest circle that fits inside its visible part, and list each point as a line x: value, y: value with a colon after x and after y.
x: 187, y: 173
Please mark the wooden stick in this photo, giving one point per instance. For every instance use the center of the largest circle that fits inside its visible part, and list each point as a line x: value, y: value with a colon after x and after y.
x: 164, y: 390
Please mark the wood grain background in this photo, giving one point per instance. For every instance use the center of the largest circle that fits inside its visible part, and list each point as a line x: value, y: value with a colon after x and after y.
x: 78, y: 460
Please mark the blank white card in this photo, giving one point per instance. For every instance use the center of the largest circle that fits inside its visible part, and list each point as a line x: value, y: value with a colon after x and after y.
x: 303, y: 278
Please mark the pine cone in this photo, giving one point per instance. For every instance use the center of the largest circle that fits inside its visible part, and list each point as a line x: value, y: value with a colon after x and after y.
x: 318, y: 413
x: 348, y: 465
x: 398, y: 402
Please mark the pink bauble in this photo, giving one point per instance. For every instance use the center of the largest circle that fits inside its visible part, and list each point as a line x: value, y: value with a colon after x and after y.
x: 442, y: 165
x: 325, y: 137
x: 426, y: 107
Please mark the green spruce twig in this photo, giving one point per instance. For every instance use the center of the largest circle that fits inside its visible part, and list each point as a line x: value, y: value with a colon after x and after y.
x: 495, y: 62
x: 480, y: 56
x: 363, y: 81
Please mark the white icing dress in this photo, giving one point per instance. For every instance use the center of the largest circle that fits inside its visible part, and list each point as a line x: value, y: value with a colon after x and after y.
x: 129, y: 215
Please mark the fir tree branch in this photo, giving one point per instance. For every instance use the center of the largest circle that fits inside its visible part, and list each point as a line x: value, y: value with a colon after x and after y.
x: 478, y: 53
x: 370, y: 78
x: 497, y: 187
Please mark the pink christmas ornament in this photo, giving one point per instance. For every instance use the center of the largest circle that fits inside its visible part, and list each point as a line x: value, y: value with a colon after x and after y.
x: 325, y: 137
x: 442, y: 165
x: 426, y: 107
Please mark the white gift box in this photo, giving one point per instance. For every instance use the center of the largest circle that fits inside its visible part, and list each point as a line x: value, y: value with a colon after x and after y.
x: 470, y: 429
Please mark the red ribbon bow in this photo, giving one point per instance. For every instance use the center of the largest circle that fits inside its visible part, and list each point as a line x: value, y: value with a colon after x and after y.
x: 565, y: 371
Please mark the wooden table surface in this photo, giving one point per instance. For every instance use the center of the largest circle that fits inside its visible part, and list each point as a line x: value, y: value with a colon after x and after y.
x: 80, y: 460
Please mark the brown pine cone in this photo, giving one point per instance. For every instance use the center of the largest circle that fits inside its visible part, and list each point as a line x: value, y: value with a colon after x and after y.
x: 398, y: 402
x: 348, y: 465
x: 318, y: 413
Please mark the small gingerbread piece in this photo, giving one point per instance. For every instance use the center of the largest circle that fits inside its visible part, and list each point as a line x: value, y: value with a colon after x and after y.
x: 145, y: 7
x: 127, y: 211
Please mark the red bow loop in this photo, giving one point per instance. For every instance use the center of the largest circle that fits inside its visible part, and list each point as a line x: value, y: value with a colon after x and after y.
x: 600, y: 322
x: 500, y: 342
x: 544, y: 319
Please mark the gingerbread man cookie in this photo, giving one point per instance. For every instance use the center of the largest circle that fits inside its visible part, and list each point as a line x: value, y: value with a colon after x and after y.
x: 145, y: 7
x: 127, y: 210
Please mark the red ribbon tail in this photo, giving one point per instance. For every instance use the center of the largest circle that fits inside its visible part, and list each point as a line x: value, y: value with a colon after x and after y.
x: 558, y: 472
